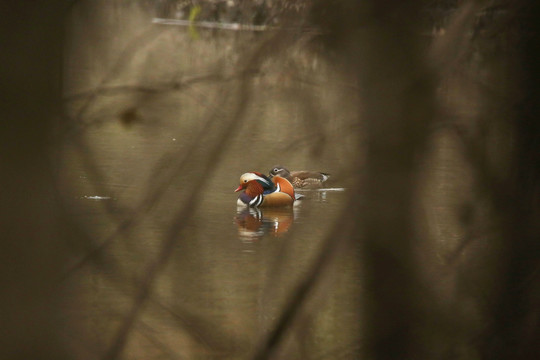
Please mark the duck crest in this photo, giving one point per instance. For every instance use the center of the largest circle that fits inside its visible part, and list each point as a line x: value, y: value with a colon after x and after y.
x: 264, y: 180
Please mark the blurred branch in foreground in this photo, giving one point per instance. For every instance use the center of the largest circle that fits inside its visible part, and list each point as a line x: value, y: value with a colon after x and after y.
x: 34, y: 234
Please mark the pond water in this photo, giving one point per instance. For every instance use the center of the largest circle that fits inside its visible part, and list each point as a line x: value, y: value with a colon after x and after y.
x: 160, y: 127
x: 210, y: 284
x: 168, y: 266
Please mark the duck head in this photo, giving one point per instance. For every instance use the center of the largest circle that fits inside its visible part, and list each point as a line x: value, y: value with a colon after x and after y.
x: 255, y: 183
x: 279, y: 170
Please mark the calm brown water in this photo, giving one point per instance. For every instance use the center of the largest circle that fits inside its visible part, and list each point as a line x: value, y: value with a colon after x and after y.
x: 224, y: 276
x: 161, y: 126
x: 166, y: 266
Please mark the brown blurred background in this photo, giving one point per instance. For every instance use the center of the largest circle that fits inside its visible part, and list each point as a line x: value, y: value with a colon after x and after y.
x: 126, y: 125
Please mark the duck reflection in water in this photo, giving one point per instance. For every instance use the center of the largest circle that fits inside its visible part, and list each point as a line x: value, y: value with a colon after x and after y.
x: 254, y: 223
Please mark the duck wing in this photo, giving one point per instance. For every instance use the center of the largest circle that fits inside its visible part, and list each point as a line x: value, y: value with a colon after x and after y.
x: 303, y: 175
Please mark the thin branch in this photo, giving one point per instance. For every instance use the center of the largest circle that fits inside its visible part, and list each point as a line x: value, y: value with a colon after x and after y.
x: 291, y: 310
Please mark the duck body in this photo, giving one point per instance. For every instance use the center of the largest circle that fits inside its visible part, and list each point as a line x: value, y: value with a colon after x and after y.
x: 301, y: 179
x: 261, y: 191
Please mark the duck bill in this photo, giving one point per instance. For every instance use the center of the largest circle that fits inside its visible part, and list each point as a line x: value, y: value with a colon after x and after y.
x: 238, y: 189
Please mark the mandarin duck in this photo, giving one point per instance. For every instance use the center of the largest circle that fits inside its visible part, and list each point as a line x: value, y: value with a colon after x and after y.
x: 259, y: 190
x: 301, y: 179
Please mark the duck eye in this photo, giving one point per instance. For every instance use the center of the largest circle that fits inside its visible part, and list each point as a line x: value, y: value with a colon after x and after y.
x: 245, y: 180
x: 276, y: 169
